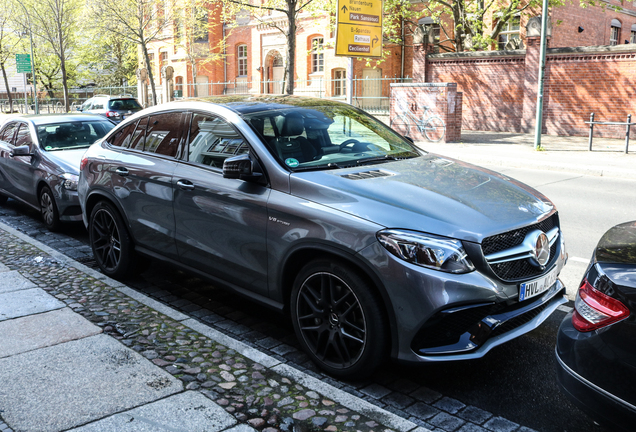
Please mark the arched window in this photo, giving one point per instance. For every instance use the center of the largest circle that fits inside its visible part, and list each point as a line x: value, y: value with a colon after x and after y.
x: 241, y: 55
x: 615, y: 32
x: 317, y: 56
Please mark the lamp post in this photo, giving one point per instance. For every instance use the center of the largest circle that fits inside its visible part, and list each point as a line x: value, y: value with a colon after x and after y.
x: 544, y: 34
x: 35, y: 88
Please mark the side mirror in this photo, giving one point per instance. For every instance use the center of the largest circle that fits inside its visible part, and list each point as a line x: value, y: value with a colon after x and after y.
x: 242, y: 167
x: 21, y: 151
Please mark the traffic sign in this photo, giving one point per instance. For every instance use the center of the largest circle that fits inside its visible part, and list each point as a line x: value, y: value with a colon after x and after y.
x: 23, y: 63
x: 359, y: 28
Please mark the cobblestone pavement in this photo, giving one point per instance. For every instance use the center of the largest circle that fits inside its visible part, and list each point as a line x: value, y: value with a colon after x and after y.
x: 254, y: 394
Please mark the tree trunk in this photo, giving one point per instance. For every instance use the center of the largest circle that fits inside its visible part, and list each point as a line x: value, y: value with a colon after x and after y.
x: 144, y: 48
x: 6, y: 85
x: 62, y: 55
x: 291, y: 48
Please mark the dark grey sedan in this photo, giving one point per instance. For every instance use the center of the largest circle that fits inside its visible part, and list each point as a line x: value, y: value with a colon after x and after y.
x: 314, y: 208
x: 39, y: 161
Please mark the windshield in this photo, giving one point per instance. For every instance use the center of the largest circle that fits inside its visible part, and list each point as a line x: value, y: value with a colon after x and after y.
x: 124, y: 104
x: 320, y: 137
x: 71, y: 135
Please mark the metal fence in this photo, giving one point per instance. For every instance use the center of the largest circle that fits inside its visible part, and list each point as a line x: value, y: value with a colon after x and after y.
x: 369, y: 94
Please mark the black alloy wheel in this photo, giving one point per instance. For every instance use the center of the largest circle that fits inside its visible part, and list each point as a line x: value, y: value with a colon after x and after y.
x: 338, y: 320
x: 50, y: 215
x: 110, y: 241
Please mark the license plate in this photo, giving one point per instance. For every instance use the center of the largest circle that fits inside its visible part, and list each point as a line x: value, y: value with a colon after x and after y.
x: 534, y: 288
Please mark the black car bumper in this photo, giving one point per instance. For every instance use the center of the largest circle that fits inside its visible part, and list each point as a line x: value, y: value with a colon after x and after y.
x: 594, y: 400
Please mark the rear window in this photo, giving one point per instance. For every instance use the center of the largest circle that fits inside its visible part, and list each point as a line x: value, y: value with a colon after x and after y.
x: 76, y: 134
x: 124, y: 104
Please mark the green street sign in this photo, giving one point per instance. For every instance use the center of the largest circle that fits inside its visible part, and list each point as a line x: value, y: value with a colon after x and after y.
x: 23, y: 63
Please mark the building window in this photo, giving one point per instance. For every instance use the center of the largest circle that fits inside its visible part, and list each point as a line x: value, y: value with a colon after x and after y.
x: 509, y: 35
x: 201, y: 28
x: 339, y: 82
x: 632, y: 39
x: 317, y: 56
x: 615, y: 32
x: 242, y: 60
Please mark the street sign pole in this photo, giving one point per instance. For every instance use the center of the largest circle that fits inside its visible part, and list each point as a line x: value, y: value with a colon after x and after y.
x: 35, y: 86
x: 544, y: 35
x: 26, y: 101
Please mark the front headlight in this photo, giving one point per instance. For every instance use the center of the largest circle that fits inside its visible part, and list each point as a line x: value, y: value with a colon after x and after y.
x: 427, y: 250
x: 69, y: 181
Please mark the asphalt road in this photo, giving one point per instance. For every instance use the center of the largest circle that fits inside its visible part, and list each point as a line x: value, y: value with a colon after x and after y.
x: 514, y: 381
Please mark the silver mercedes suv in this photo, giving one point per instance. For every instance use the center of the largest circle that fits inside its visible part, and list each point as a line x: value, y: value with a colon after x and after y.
x: 375, y: 248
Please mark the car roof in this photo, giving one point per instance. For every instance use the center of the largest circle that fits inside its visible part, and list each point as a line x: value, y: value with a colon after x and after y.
x: 253, y: 104
x: 44, y: 119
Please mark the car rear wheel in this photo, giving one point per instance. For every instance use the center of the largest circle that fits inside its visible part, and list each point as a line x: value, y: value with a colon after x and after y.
x: 50, y: 215
x: 338, y: 319
x: 111, y: 243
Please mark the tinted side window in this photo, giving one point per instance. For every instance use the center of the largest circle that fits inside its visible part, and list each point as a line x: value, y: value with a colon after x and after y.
x: 24, y: 136
x: 122, y: 137
x: 8, y: 132
x: 164, y: 133
x: 212, y: 140
x: 139, y: 136
x: 98, y: 104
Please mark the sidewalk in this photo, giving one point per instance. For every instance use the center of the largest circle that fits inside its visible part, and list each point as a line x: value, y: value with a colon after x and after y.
x: 567, y: 154
x: 82, y: 352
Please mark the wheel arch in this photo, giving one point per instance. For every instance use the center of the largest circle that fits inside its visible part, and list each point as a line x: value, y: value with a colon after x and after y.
x: 95, y: 197
x: 299, y: 256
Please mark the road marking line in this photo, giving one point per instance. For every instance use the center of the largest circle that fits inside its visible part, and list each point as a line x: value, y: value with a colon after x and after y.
x: 581, y: 260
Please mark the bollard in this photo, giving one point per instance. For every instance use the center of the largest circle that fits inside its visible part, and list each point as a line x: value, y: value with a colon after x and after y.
x: 591, y: 131
x: 629, y: 124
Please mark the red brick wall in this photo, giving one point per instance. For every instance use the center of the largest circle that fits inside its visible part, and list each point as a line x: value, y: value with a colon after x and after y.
x: 415, y: 102
x: 492, y: 88
x: 500, y: 90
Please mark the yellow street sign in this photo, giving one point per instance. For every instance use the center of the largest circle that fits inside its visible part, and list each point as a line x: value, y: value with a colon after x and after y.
x: 358, y: 41
x: 359, y: 28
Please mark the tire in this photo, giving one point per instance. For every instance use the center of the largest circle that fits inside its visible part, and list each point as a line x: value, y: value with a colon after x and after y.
x: 48, y: 208
x: 339, y: 320
x: 110, y: 241
x: 434, y: 129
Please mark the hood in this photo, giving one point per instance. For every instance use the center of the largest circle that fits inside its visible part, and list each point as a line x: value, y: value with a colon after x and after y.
x: 431, y: 194
x: 67, y: 160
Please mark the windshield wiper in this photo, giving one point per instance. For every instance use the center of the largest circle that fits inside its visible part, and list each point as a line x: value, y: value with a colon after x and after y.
x: 331, y: 165
x: 384, y: 158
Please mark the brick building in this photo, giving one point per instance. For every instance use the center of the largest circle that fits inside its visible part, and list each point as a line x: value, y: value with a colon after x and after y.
x: 252, y: 57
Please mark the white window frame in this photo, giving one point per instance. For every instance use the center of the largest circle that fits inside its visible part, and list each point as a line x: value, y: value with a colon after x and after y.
x: 509, y: 32
x: 340, y: 82
x: 241, y: 63
x: 317, y: 55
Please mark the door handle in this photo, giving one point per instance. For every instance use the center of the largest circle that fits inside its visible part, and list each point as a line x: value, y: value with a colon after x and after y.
x: 121, y: 171
x: 185, y: 185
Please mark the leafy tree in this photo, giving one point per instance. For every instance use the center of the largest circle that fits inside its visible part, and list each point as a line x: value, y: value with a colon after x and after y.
x: 137, y: 21
x: 107, y: 60
x: 192, y: 28
x: 54, y: 22
x: 8, y: 43
x: 291, y: 10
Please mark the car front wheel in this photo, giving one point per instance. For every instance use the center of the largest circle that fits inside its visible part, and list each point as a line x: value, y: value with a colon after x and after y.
x: 111, y: 243
x: 338, y: 319
x: 50, y: 215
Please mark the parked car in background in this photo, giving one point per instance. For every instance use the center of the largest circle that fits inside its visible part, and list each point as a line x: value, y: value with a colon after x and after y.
x: 115, y: 108
x: 39, y: 161
x: 596, y: 342
x: 312, y: 207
